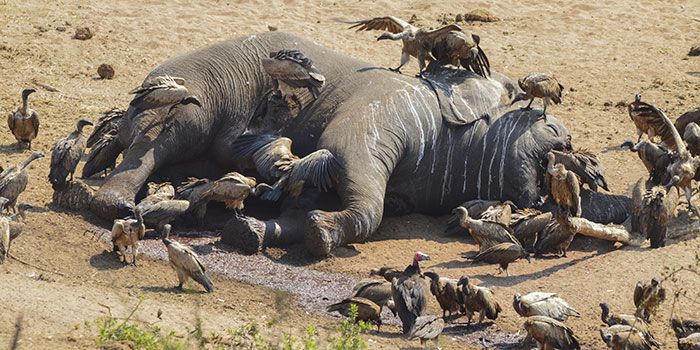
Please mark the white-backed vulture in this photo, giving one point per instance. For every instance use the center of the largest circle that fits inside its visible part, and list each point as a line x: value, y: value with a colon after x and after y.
x: 126, y: 233
x: 543, y: 304
x: 611, y: 319
x: 475, y: 208
x: 319, y: 168
x: 550, y: 333
x: 426, y: 328
x: 500, y: 212
x: 24, y: 121
x: 446, y: 293
x: 647, y: 120
x: 540, y: 85
x: 564, y: 186
x: 409, y: 293
x: 104, y: 143
x: 623, y: 337
x: 185, y: 262
x: 18, y: 221
x: 657, y: 208
x: 557, y: 235
x: 502, y: 254
x: 527, y: 225
x: 291, y: 70
x: 655, y: 157
x: 585, y: 165
x: 459, y: 48
x: 164, y: 212
x: 683, y: 328
x: 162, y: 91
x: 377, y: 291
x: 478, y: 299
x: 648, y: 297
x: 13, y: 181
x: 367, y: 310
x: 486, y: 233
x: 66, y: 154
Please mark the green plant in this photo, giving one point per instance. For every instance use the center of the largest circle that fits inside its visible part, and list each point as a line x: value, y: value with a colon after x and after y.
x: 350, y: 333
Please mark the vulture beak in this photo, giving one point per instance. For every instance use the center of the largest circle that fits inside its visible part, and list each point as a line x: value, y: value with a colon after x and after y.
x: 528, y: 258
x: 519, y: 97
x: 192, y: 100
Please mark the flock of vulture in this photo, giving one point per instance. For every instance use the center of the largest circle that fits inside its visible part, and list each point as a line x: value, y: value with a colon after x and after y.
x: 505, y: 234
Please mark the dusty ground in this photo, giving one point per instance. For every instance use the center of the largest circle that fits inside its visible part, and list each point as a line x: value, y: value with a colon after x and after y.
x: 603, y: 53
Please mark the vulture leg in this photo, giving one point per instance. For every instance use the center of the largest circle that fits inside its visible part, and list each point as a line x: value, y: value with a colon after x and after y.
x: 421, y: 65
x: 405, y: 57
x: 182, y: 278
x: 689, y: 197
x: 122, y: 252
x: 544, y: 111
x: 134, y: 252
x: 482, y: 314
x: 529, y: 104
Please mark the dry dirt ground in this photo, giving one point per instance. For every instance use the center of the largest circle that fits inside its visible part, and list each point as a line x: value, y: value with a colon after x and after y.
x: 603, y: 52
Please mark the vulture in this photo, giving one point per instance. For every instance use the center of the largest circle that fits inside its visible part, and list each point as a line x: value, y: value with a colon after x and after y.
x: 655, y: 212
x: 486, y: 233
x: 584, y: 164
x: 196, y: 191
x: 478, y: 299
x: 691, y: 136
x: 502, y: 254
x: 389, y: 273
x: 290, y: 70
x: 500, y: 212
x: 543, y: 304
x: 367, y: 310
x: 232, y: 189
x: 446, y: 292
x: 550, y: 333
x: 556, y: 236
x: 24, y: 122
x: 379, y: 292
x: 426, y: 328
x: 527, y: 225
x: 127, y: 233
x: 691, y: 342
x: 4, y: 232
x: 319, y: 168
x: 563, y: 186
x: 477, y: 208
x: 541, y: 85
x: 18, y: 221
x: 655, y: 157
x: 611, y: 319
x: 647, y: 120
x: 104, y: 143
x: 162, y: 91
x: 409, y: 293
x: 66, y: 154
x: 459, y: 48
x: 13, y: 181
x: 684, y: 328
x: 163, y: 212
x: 647, y: 297
x: 185, y: 262
x: 623, y: 337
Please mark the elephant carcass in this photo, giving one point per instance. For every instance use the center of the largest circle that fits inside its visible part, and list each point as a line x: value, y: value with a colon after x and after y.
x: 395, y: 140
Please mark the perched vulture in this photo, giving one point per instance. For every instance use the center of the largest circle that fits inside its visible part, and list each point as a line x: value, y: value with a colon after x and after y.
x: 319, y: 168
x: 648, y: 121
x: 550, y: 333
x: 556, y: 236
x: 563, y: 186
x: 367, y: 310
x: 623, y: 337
x: 409, y: 293
x: 426, y: 328
x: 543, y: 304
x: 684, y: 328
x: 691, y: 136
x: 446, y: 292
x: 107, y: 124
x: 377, y: 291
x: 127, y: 233
x: 540, y: 85
x: 647, y: 297
x: 584, y: 164
x: 162, y: 91
x: 66, y: 154
x: 104, y: 144
x: 290, y: 70
x: 655, y: 157
x: 478, y: 299
x: 502, y: 254
x: 459, y: 48
x: 611, y: 319
x: 164, y: 212
x: 657, y: 208
x: 13, y: 181
x: 527, y: 225
x: 24, y: 122
x: 185, y: 262
x: 486, y: 233
x: 389, y: 273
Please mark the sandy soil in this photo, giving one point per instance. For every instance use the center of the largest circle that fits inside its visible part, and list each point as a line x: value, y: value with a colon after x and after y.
x: 603, y: 53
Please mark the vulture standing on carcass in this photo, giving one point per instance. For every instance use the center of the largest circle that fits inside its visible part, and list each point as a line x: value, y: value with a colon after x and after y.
x: 367, y: 310
x: 543, y: 304
x: 478, y: 299
x: 540, y: 85
x: 162, y: 91
x: 164, y: 212
x: 319, y: 168
x: 446, y: 292
x: 461, y: 49
x: 655, y: 157
x: 388, y: 273
x: 527, y: 224
x: 409, y: 293
x: 486, y: 233
x: 550, y: 333
x: 232, y: 189
x: 104, y: 143
x: 502, y: 254
x: 623, y: 337
x: 185, y: 262
x: 290, y: 70
x: 127, y: 233
x: 611, y: 319
x: 684, y: 328
x: 563, y: 186
x: 647, y: 121
x: 584, y: 164
x: 426, y: 328
x: 4, y: 232
x: 556, y: 237
x: 66, y: 154
x: 377, y: 291
x: 24, y: 122
x: 647, y: 297
x: 691, y: 136
x: 13, y: 181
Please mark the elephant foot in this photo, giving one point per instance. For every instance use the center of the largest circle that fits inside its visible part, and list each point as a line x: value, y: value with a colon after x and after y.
x: 111, y: 205
x: 321, y: 234
x: 245, y: 233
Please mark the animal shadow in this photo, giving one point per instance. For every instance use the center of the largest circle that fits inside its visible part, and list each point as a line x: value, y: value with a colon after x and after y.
x: 106, y: 261
x: 171, y: 290
x: 12, y: 149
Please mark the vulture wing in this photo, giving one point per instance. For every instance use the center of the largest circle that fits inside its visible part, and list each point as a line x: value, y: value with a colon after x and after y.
x: 409, y: 297
x: 387, y: 23
x: 426, y: 327
x: 108, y: 124
x: 319, y: 168
x: 586, y: 165
x: 158, y: 92
x: 647, y: 114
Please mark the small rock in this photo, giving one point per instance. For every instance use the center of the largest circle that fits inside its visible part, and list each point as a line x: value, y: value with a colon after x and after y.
x: 607, y: 104
x: 105, y: 71
x: 413, y: 19
x: 694, y: 51
x: 459, y: 18
x: 621, y: 104
x: 480, y: 15
x: 83, y: 33
x: 61, y: 29
x: 272, y: 28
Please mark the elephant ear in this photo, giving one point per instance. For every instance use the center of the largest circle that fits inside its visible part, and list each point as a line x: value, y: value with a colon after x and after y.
x: 465, y: 97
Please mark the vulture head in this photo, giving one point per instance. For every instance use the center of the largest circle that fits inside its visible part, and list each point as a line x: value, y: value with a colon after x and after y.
x: 3, y: 203
x: 605, y: 311
x: 420, y: 256
x: 551, y: 159
x: 463, y: 281
x: 81, y: 123
x: 166, y: 234
x: 26, y: 92
x: 192, y: 99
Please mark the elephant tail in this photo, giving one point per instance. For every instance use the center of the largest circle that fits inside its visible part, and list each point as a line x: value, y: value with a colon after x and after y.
x: 319, y: 169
